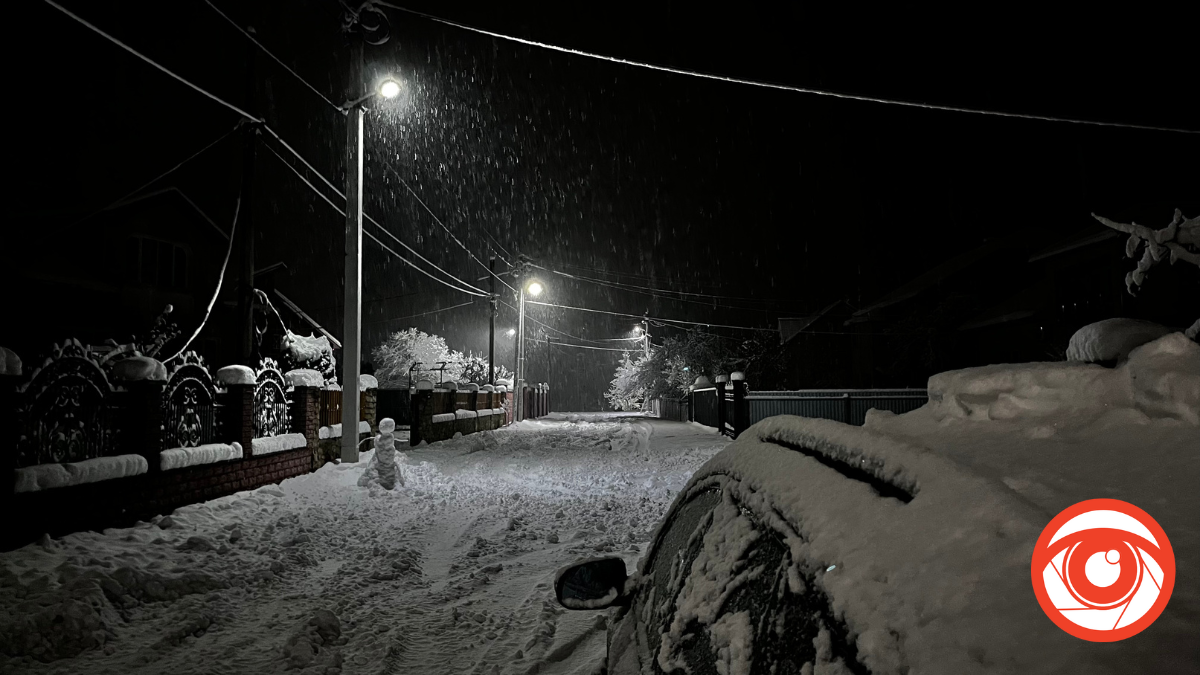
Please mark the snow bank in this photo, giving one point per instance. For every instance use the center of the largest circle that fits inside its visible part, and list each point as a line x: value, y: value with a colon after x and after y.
x: 307, y: 349
x: 139, y: 369
x: 366, y: 382
x: 236, y: 375
x: 1159, y: 379
x: 1112, y: 339
x: 444, y: 417
x: 305, y: 377
x: 10, y: 363
x: 47, y: 476
x: 178, y: 458
x: 465, y: 414
x: 273, y: 444
x: 335, y: 431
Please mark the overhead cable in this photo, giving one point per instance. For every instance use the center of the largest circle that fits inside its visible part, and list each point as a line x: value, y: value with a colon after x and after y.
x: 414, y: 316
x: 266, y: 51
x: 217, y: 291
x: 341, y: 211
x: 439, y: 222
x: 150, y: 61
x: 640, y: 316
x: 783, y: 87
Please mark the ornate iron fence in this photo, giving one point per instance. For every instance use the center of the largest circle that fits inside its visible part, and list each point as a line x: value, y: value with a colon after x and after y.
x: 271, y: 415
x: 190, y: 403
x: 68, y: 411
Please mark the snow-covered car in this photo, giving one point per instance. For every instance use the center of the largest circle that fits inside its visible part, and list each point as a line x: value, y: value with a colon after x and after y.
x: 905, y: 546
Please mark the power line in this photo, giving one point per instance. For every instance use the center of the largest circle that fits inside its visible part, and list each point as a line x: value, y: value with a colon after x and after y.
x: 439, y: 222
x: 371, y: 236
x: 601, y: 349
x: 414, y: 316
x: 783, y: 87
x: 546, y: 325
x: 473, y: 289
x: 656, y: 291
x: 150, y: 61
x: 217, y: 291
x: 152, y: 181
x: 656, y: 318
x: 659, y: 293
x: 275, y: 58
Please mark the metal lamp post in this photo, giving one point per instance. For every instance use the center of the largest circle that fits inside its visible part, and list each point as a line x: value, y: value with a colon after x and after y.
x: 534, y: 288
x: 352, y: 320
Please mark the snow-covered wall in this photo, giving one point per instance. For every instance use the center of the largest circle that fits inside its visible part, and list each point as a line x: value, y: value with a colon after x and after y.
x: 273, y: 444
x: 178, y: 458
x: 335, y: 431
x: 48, y: 476
x: 305, y: 377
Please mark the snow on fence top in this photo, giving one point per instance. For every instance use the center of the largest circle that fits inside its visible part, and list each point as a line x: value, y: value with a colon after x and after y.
x: 48, y: 476
x: 236, y: 375
x: 488, y: 388
x: 272, y: 444
x: 335, y: 431
x: 139, y: 369
x: 178, y: 458
x: 504, y: 382
x: 366, y: 382
x: 305, y: 377
x: 444, y: 417
x: 470, y: 386
x: 10, y: 363
x: 424, y: 385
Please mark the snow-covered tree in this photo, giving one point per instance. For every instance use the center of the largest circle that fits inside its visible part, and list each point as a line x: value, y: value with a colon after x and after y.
x: 1180, y: 240
x: 402, y: 349
x: 625, y: 392
x: 474, y: 368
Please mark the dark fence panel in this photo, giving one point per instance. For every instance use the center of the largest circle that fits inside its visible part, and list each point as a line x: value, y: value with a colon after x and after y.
x: 271, y: 410
x: 843, y: 405
x: 68, y: 411
x: 671, y: 409
x: 394, y: 403
x: 190, y: 406
x: 704, y: 407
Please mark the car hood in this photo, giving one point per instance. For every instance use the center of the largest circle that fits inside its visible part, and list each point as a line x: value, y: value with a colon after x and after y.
x: 936, y: 577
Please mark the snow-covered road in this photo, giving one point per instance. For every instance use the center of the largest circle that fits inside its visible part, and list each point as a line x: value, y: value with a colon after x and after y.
x: 450, y: 574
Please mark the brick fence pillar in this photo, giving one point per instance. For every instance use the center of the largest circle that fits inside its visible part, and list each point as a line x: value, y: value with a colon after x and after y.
x: 370, y: 399
x: 239, y: 415
x: 306, y: 412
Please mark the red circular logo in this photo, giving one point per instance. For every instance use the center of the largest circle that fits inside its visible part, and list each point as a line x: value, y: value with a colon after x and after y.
x: 1103, y: 570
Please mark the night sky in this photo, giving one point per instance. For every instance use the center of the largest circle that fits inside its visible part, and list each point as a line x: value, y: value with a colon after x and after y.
x: 584, y: 165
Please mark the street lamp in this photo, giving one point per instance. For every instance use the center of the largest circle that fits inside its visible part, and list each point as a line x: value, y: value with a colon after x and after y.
x: 511, y: 332
x: 352, y: 319
x: 534, y: 288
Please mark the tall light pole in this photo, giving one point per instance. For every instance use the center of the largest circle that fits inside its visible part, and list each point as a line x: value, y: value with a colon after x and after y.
x: 534, y: 288
x: 352, y: 318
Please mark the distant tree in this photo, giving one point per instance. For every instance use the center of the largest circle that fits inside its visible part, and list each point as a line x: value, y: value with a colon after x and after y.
x: 625, y: 392
x: 474, y: 368
x: 402, y: 349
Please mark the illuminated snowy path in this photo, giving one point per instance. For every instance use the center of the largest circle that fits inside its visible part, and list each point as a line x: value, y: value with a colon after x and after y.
x: 450, y: 574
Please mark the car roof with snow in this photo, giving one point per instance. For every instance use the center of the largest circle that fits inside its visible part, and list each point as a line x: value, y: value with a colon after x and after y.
x: 920, y: 527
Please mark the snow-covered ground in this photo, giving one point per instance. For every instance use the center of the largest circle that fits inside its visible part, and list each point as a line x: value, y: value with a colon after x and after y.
x: 450, y: 574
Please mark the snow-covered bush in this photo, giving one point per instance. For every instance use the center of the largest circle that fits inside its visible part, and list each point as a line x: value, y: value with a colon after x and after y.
x: 309, y: 352
x: 625, y: 392
x: 402, y: 349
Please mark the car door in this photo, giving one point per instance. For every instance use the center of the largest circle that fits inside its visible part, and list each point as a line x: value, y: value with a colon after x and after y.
x: 722, y: 595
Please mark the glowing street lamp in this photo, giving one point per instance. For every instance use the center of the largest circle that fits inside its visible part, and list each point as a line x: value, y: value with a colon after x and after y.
x: 389, y: 88
x: 534, y: 288
x: 511, y: 332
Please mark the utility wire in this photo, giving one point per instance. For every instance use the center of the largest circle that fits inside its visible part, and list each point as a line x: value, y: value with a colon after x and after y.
x: 640, y: 316
x: 273, y: 57
x: 659, y: 293
x: 371, y: 236
x: 783, y: 87
x: 150, y: 61
x: 414, y: 316
x: 601, y: 349
x: 546, y: 325
x: 216, y: 292
x: 473, y: 289
x: 148, y: 183
x: 439, y: 222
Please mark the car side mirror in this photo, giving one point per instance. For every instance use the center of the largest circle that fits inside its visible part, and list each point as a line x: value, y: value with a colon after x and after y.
x: 596, y: 583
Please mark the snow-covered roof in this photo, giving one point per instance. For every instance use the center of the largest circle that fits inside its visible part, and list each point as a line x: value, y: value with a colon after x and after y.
x: 921, y: 525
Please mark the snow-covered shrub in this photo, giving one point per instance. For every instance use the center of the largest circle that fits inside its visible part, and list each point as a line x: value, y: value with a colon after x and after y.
x: 1112, y: 339
x: 309, y: 352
